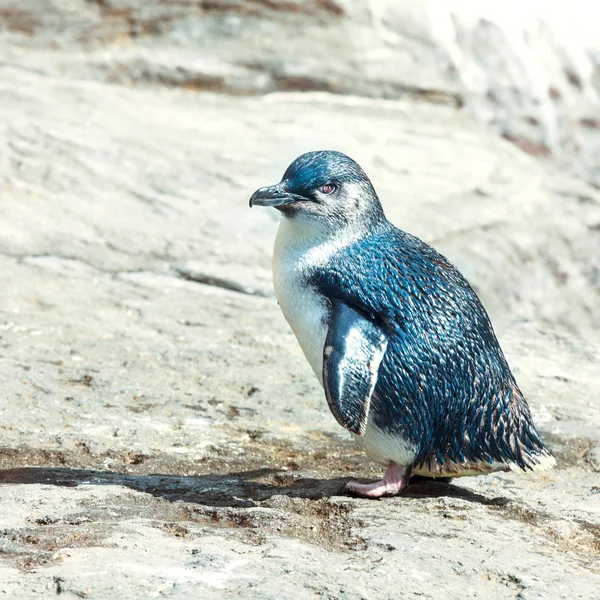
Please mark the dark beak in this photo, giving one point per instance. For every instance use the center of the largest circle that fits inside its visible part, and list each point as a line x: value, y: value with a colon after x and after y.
x: 274, y: 195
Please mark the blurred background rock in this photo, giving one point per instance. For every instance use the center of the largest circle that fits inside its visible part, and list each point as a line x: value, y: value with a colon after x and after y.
x: 528, y: 70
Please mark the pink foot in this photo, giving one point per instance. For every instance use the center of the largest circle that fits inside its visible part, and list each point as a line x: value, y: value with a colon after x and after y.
x: 393, y: 482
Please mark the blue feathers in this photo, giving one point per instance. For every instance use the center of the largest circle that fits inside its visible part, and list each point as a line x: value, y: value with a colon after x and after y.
x: 444, y: 382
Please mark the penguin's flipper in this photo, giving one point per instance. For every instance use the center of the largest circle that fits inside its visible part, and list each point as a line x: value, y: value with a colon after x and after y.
x: 354, y: 349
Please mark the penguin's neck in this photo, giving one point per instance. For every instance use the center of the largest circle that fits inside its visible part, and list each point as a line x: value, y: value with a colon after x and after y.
x: 307, y: 243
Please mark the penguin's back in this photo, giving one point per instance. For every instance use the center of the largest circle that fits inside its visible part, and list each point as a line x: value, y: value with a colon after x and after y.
x: 444, y: 384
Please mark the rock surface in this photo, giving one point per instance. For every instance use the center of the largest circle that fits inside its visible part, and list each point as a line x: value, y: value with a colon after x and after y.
x: 160, y: 432
x: 529, y: 71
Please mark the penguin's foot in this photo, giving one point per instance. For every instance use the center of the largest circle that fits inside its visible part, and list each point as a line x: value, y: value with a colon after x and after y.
x: 393, y: 482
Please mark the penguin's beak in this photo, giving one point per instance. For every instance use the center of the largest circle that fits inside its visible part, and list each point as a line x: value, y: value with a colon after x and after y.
x: 274, y: 195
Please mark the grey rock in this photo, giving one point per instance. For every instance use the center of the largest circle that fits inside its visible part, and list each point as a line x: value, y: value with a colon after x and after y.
x: 593, y: 458
x: 529, y: 72
x: 161, y: 433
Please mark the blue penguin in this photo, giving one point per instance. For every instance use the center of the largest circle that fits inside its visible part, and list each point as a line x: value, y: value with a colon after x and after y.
x: 400, y: 342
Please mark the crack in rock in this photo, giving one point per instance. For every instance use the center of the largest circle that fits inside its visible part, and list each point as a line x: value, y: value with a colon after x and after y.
x: 226, y: 284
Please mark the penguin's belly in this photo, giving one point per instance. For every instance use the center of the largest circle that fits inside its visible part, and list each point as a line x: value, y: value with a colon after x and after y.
x: 307, y: 312
x: 385, y: 447
x: 308, y: 315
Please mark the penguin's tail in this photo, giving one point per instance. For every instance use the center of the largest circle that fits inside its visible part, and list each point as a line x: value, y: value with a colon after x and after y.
x: 539, y: 462
x: 497, y: 435
x: 519, y: 444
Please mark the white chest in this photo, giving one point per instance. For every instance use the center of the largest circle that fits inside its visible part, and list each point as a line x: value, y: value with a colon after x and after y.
x: 306, y: 311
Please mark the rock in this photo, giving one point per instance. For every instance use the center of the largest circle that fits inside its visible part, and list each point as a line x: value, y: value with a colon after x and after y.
x: 530, y: 72
x: 593, y: 458
x: 161, y: 433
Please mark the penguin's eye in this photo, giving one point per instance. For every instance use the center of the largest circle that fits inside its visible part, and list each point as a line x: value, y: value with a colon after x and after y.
x: 328, y: 188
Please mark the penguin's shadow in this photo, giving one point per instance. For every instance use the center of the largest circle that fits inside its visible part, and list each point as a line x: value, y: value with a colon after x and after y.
x: 238, y: 489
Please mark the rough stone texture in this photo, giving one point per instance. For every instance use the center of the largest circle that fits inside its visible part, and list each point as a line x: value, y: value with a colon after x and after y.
x: 530, y: 71
x: 160, y: 433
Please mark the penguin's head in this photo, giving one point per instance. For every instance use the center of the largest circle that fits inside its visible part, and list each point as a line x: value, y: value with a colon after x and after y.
x: 323, y: 189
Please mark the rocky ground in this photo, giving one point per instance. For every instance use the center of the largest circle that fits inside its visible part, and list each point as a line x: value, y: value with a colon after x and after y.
x: 161, y: 434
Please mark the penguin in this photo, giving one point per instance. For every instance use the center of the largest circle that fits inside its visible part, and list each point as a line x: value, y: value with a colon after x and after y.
x: 397, y: 337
